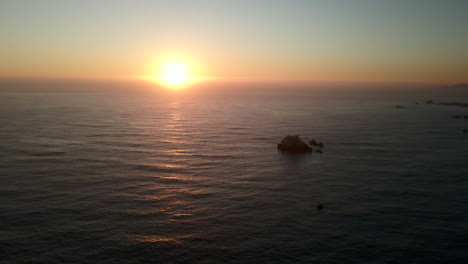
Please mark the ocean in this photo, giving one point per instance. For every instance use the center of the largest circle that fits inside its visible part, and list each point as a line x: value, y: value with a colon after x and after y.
x: 119, y: 175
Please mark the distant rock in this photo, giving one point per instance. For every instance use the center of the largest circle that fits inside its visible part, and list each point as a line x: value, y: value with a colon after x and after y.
x: 429, y: 101
x: 465, y: 130
x: 454, y: 104
x: 293, y: 144
x: 400, y: 106
x: 319, y: 151
x: 320, y: 206
x: 315, y: 143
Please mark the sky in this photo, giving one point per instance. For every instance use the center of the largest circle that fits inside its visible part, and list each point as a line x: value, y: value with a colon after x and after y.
x: 309, y: 40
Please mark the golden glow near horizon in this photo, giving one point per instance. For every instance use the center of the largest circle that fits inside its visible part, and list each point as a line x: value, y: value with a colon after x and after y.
x: 329, y: 41
x: 175, y: 74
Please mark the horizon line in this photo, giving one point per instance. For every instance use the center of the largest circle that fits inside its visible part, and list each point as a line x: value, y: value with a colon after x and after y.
x: 206, y: 80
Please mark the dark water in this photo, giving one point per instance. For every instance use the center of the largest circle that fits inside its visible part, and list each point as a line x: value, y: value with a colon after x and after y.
x: 122, y: 177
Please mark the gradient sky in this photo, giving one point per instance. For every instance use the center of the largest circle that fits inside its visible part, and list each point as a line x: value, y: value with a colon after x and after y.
x: 395, y: 41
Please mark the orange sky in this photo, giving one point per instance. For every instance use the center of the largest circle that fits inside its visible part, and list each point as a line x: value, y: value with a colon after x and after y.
x: 239, y: 40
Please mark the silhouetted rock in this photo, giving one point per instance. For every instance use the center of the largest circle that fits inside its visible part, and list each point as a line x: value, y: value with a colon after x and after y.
x: 429, y: 102
x: 454, y: 104
x: 465, y: 130
x: 400, y: 106
x: 318, y: 151
x: 315, y: 143
x: 320, y: 207
x: 460, y: 116
x: 293, y: 144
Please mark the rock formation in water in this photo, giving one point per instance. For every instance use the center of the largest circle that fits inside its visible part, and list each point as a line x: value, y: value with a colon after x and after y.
x: 315, y: 143
x: 454, y: 104
x: 460, y: 116
x: 293, y: 144
x: 429, y: 101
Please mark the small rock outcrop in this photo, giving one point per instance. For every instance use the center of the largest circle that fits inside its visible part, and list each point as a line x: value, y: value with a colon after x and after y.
x: 465, y: 130
x: 399, y: 106
x: 454, y: 104
x: 460, y: 116
x: 320, y: 206
x: 315, y: 143
x: 293, y: 144
x: 429, y: 101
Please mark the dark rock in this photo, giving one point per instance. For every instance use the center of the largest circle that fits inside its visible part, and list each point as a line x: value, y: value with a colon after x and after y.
x: 460, y: 116
x: 315, y: 143
x: 429, y: 102
x: 400, y: 106
x: 293, y: 144
x: 465, y: 130
x: 454, y: 104
x: 320, y: 207
x: 318, y: 151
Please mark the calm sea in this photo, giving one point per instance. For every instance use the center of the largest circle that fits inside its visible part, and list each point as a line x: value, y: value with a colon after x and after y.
x: 124, y: 176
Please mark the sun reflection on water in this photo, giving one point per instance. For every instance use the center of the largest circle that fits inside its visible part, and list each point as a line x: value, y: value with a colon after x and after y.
x: 162, y: 239
x: 172, y: 198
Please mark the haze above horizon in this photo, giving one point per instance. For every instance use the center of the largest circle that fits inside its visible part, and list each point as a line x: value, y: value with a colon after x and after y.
x: 364, y: 41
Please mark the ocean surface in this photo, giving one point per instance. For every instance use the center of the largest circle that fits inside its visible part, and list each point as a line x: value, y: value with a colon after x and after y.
x: 119, y: 176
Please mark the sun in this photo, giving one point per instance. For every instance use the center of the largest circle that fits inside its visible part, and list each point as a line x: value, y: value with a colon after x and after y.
x: 174, y: 74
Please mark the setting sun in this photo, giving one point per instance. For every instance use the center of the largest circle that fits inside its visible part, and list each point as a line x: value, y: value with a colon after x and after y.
x: 175, y: 74
x: 194, y: 131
